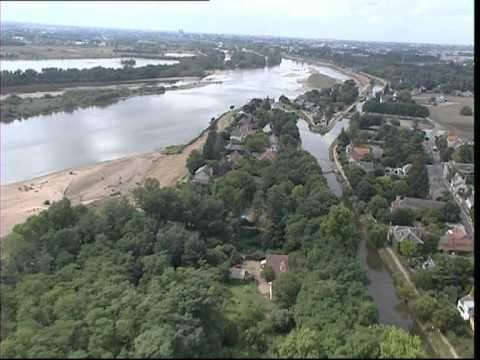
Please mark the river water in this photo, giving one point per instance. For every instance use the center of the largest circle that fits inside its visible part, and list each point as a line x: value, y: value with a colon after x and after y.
x: 391, y: 310
x: 48, y: 143
x: 318, y: 145
x: 38, y: 65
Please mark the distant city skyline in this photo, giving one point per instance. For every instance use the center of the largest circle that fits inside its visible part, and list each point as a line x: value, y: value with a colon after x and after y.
x: 420, y: 21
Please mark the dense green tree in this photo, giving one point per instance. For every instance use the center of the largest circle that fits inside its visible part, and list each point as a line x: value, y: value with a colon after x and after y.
x: 464, y: 154
x: 363, y: 343
x: 214, y: 146
x: 364, y: 190
x: 236, y: 189
x: 155, y: 343
x: 446, y: 318
x: 194, y: 161
x: 396, y: 108
x: 268, y: 274
x: 417, y: 179
x: 285, y: 289
x: 376, y: 204
x: 282, y: 320
x: 466, y: 111
x: 257, y: 142
x: 302, y: 343
x: 339, y: 224
x: 397, y: 343
x: 408, y: 248
x: 377, y: 235
x: 403, y: 217
x: 424, y: 307
x: 161, y: 204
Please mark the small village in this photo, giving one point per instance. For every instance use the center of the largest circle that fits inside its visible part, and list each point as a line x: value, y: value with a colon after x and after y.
x: 236, y: 180
x: 417, y: 180
x: 419, y: 227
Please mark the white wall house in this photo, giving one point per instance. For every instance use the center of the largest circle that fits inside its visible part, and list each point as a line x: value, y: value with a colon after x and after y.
x: 465, y: 307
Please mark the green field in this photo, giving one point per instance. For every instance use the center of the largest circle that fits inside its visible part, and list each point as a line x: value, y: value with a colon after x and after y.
x: 448, y: 114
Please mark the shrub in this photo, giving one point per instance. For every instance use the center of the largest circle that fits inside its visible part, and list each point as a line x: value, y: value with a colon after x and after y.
x: 268, y: 274
x: 466, y: 111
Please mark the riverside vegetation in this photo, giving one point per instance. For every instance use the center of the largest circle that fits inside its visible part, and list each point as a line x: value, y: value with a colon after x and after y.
x: 196, y: 66
x: 15, y: 107
x: 150, y: 279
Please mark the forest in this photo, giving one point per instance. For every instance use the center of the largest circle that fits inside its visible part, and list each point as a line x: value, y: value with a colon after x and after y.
x: 150, y: 278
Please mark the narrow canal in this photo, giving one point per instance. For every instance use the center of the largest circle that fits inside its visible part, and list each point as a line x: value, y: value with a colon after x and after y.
x: 391, y: 310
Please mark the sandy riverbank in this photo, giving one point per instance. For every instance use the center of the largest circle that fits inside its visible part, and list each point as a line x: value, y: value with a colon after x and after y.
x: 360, y: 78
x: 90, y: 183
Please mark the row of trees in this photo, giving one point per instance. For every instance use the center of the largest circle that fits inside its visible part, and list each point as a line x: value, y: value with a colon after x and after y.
x: 195, y: 66
x: 396, y: 108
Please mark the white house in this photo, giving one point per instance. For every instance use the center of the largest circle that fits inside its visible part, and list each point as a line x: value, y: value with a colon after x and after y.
x: 428, y: 264
x: 267, y: 129
x: 401, y: 172
x: 465, y: 307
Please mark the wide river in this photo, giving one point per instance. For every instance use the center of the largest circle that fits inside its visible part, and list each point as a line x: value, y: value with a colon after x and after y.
x: 38, y: 65
x: 48, y: 143
x: 45, y: 144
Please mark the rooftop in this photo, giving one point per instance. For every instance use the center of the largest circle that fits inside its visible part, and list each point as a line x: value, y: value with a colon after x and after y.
x: 358, y: 152
x: 402, y: 233
x: 452, y: 136
x: 456, y: 239
x: 279, y: 263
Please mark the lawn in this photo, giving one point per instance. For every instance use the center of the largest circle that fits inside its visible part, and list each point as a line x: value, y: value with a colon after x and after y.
x: 448, y: 114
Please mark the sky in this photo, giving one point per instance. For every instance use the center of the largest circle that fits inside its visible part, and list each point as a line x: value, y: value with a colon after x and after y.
x: 421, y: 21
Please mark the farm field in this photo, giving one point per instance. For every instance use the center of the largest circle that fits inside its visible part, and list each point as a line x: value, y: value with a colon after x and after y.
x: 447, y: 114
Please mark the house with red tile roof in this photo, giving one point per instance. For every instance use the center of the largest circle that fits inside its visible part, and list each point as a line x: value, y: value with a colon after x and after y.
x: 356, y: 153
x: 452, y: 139
x: 278, y: 263
x: 456, y: 239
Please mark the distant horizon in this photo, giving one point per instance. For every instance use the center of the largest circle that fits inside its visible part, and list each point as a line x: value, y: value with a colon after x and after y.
x: 443, y: 22
x: 228, y: 34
